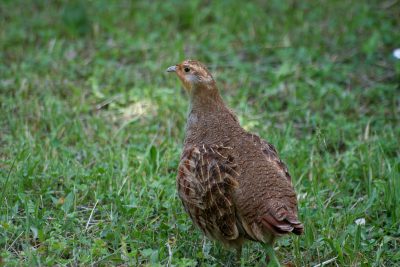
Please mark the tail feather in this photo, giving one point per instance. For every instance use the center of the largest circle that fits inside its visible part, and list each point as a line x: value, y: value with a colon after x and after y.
x: 283, y: 225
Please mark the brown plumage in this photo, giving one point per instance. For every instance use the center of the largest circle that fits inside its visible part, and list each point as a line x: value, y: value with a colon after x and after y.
x: 231, y: 182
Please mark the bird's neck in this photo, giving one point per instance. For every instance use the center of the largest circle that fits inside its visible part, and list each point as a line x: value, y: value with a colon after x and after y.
x: 206, y: 103
x: 208, y: 118
x: 205, y: 98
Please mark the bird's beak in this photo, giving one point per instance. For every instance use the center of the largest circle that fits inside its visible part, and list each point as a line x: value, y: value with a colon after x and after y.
x: 172, y: 69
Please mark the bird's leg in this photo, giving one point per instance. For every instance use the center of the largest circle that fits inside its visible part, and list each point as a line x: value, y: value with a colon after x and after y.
x: 272, y: 259
x: 205, y: 247
x: 238, y: 255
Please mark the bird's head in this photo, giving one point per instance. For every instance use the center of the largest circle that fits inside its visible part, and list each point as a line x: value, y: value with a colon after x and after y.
x: 194, y: 76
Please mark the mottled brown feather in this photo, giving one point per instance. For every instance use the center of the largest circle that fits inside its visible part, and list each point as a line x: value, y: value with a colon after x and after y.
x: 206, y: 180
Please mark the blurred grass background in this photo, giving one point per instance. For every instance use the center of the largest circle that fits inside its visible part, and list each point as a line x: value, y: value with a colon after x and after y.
x: 91, y: 127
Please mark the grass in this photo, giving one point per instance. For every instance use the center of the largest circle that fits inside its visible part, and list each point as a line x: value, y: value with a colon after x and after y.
x: 92, y: 127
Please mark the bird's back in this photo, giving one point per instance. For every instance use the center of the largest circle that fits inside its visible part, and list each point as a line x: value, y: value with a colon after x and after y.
x: 265, y: 200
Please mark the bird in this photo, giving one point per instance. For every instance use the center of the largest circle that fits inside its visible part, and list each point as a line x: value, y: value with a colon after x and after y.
x: 231, y: 182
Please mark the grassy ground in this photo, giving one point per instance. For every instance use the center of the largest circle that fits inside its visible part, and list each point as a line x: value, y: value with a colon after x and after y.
x: 92, y: 127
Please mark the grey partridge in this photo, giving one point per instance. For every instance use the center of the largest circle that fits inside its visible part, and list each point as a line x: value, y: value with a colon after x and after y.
x: 231, y: 182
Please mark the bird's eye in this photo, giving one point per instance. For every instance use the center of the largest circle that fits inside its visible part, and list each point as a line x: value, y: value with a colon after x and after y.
x: 186, y: 69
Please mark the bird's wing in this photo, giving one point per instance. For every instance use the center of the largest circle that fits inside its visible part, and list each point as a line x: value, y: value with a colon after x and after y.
x: 271, y: 154
x: 206, y: 180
